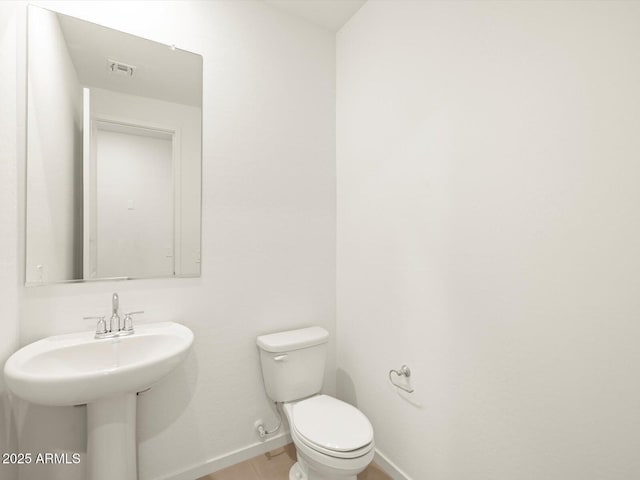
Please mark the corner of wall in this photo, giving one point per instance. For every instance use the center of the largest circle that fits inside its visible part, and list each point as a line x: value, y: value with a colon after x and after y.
x: 11, y: 16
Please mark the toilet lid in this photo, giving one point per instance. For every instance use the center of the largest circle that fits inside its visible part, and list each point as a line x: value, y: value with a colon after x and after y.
x: 332, y: 424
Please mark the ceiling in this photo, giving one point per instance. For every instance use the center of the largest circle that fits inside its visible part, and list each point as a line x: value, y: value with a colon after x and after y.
x: 161, y: 72
x: 330, y: 14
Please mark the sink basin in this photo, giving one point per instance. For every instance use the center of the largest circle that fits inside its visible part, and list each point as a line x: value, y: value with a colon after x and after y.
x: 77, y: 368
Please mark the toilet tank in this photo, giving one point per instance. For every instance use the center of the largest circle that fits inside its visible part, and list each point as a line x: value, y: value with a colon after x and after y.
x: 293, y: 362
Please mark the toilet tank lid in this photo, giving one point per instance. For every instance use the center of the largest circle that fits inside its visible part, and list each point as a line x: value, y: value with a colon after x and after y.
x: 293, y: 339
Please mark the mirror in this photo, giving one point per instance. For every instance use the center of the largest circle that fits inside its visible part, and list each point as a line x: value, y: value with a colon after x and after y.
x: 114, y: 145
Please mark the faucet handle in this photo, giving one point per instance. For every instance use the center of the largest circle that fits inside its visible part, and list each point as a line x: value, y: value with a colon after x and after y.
x: 128, y: 321
x: 101, y: 327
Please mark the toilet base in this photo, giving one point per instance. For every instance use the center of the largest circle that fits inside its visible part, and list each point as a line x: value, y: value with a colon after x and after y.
x: 300, y: 471
x: 296, y: 473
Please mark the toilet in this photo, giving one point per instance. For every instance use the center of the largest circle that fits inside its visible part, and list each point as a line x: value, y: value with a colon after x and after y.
x: 333, y: 440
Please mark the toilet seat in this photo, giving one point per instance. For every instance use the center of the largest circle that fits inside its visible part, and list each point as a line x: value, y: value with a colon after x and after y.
x: 332, y: 427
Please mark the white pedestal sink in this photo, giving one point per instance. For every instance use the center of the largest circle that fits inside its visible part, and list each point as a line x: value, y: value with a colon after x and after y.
x: 105, y: 374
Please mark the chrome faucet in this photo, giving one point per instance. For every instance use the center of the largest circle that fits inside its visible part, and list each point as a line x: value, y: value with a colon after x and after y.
x: 114, y: 321
x: 115, y: 329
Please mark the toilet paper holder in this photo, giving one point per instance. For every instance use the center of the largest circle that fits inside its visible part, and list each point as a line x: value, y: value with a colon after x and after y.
x: 404, y: 371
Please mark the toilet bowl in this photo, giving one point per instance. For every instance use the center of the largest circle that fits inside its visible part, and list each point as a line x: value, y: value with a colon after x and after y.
x: 333, y: 440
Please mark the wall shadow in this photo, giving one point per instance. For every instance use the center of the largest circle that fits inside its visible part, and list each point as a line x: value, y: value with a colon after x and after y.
x: 345, y: 388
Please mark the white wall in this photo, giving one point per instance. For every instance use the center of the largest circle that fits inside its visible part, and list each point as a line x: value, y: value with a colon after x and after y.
x: 54, y: 172
x: 488, y: 230
x: 8, y: 221
x: 268, y: 245
x: 187, y: 121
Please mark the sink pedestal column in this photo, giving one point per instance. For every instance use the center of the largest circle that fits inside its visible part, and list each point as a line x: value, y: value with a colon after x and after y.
x: 111, y: 438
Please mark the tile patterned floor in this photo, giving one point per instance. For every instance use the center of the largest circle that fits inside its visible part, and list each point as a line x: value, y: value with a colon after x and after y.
x: 275, y: 465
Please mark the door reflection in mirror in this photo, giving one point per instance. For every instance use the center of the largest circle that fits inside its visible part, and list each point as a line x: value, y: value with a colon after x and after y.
x: 134, y: 208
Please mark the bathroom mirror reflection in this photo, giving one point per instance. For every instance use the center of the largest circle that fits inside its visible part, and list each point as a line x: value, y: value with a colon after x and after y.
x: 113, y: 154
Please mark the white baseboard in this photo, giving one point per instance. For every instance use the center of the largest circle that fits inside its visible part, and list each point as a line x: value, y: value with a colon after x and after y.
x: 236, y: 456
x: 231, y: 458
x: 390, y: 467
